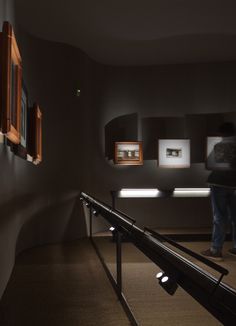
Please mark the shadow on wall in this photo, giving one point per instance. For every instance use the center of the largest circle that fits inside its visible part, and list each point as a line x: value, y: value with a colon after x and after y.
x: 24, y: 225
x: 160, y: 128
x: 46, y: 226
x: 124, y: 128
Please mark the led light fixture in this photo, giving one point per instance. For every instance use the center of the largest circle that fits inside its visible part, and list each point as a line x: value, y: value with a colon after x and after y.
x: 139, y: 193
x: 168, y: 284
x: 95, y: 212
x: 112, y: 229
x: 159, y: 275
x: 191, y: 192
x: 164, y: 279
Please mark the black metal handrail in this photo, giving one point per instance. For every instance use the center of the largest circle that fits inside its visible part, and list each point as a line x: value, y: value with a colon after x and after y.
x: 193, y: 254
x: 201, y: 285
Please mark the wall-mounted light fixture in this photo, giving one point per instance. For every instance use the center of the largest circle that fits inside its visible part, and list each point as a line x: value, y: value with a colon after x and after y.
x: 78, y: 92
x: 139, y: 193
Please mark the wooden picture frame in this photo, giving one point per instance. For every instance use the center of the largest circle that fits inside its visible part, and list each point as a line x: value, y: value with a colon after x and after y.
x: 21, y: 149
x: 34, y: 135
x: 174, y: 153
x: 129, y: 153
x: 11, y: 84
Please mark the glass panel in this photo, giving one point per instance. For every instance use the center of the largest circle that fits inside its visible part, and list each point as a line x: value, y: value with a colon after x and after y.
x: 150, y: 303
x: 229, y: 261
x: 146, y: 295
x: 106, y: 243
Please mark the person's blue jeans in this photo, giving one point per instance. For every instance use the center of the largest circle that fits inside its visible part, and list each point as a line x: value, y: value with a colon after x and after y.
x: 224, y: 210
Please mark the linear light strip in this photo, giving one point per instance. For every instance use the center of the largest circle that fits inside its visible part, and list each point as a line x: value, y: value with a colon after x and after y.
x: 152, y: 193
x: 139, y: 193
x: 191, y: 192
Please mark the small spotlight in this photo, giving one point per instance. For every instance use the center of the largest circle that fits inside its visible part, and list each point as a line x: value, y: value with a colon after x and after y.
x: 112, y: 228
x: 81, y: 198
x: 95, y: 213
x: 159, y: 275
x: 164, y: 279
x: 87, y: 204
x: 169, y: 285
x: 78, y: 91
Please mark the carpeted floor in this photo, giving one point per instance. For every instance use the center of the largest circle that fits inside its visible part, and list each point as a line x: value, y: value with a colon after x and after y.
x: 149, y: 302
x: 60, y: 285
x: 66, y: 285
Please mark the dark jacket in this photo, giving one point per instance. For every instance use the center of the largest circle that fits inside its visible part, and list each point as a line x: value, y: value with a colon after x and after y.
x: 224, y: 153
x: 223, y: 178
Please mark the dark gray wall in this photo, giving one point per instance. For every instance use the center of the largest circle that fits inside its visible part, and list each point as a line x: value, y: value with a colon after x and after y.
x: 39, y: 204
x: 164, y: 91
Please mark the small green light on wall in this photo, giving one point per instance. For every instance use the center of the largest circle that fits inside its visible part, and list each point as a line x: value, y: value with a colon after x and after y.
x: 78, y: 92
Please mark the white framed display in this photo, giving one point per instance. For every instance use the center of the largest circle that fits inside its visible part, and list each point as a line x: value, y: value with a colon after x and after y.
x: 174, y: 153
x: 221, y: 153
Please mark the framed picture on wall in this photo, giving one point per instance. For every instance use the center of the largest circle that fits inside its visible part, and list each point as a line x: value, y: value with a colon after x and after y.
x: 34, y: 135
x: 221, y: 153
x: 23, y: 121
x: 21, y: 149
x: 11, y: 85
x: 174, y: 153
x: 129, y: 153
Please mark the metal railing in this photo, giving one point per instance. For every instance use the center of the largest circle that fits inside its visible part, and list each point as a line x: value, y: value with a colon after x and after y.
x: 202, y: 286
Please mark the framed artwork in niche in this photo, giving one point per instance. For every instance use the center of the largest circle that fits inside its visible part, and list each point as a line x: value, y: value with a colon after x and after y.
x: 128, y: 153
x: 11, y: 84
x: 221, y: 153
x: 174, y: 153
x: 34, y: 135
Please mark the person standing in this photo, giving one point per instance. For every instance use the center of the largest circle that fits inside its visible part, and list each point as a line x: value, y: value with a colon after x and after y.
x: 222, y: 189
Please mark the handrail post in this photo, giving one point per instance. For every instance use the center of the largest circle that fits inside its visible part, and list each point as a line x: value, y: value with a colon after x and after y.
x: 113, y: 198
x: 90, y: 222
x: 119, y: 264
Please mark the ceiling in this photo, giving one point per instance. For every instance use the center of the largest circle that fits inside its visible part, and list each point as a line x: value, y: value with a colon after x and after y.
x: 136, y: 32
